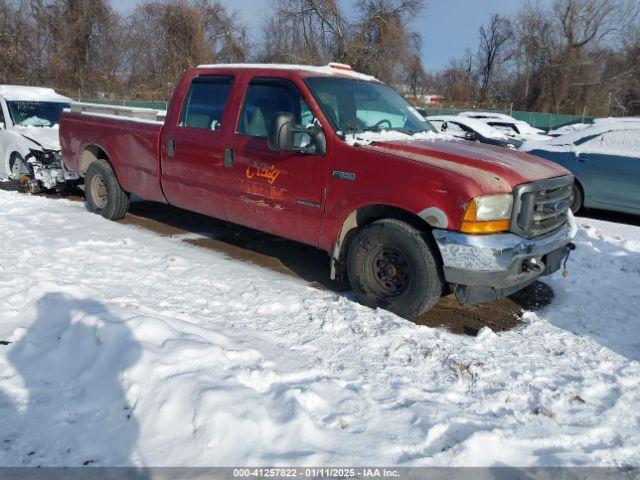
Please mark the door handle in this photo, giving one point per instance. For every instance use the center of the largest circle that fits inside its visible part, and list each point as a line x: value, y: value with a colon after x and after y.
x: 171, y: 147
x: 582, y: 158
x: 228, y: 158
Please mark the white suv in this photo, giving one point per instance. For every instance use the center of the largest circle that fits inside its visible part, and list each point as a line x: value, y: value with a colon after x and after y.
x: 29, y: 143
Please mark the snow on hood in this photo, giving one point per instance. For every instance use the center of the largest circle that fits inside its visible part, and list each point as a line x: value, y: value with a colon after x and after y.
x: 44, y: 137
x: 495, y: 169
x: 37, y: 94
x: 367, y: 138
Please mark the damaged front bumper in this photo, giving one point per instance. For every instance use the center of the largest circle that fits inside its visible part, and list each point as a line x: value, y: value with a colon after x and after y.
x: 47, y: 169
x: 487, y: 267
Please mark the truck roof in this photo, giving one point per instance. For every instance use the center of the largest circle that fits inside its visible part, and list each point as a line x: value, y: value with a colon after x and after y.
x: 332, y: 69
x: 23, y: 92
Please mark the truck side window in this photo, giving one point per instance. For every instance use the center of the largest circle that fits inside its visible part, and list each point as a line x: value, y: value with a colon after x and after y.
x: 264, y: 100
x: 205, y: 102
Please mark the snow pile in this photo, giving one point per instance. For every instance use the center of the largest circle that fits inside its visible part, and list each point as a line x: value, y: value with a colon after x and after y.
x: 124, y: 347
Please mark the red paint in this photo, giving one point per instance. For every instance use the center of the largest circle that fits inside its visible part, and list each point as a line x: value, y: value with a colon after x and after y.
x: 290, y: 194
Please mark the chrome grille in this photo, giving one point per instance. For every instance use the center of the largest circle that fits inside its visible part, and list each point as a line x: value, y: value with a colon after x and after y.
x: 541, y: 207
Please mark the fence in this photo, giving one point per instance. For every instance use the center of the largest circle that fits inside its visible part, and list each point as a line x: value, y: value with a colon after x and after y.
x: 545, y: 121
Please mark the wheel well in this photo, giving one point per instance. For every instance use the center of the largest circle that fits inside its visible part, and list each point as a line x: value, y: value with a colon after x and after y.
x: 12, y: 155
x: 89, y: 155
x: 361, y: 218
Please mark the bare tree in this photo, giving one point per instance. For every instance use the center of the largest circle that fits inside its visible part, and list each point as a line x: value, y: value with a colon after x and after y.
x: 170, y: 36
x: 494, y: 50
x: 564, y: 50
x: 377, y: 39
x: 305, y: 31
x: 573, y: 56
x: 383, y: 44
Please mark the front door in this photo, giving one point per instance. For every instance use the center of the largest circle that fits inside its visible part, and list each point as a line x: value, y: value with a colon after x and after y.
x: 277, y: 192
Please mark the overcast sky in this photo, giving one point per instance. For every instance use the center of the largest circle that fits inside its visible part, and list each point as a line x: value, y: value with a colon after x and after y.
x: 448, y: 27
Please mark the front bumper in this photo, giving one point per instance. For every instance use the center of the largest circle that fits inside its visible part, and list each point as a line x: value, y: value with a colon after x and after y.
x: 50, y: 173
x: 487, y: 267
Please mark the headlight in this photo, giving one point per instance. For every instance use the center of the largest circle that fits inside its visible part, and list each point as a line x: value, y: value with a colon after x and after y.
x: 46, y: 156
x: 488, y: 214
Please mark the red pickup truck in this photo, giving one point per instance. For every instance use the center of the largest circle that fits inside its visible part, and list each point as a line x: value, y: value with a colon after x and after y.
x: 337, y: 160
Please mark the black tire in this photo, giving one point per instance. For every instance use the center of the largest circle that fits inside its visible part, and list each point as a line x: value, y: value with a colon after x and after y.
x: 392, y: 265
x: 103, y: 193
x: 578, y: 198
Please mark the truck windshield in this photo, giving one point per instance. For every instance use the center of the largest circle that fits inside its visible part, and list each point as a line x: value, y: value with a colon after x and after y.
x: 355, y: 106
x: 35, y: 114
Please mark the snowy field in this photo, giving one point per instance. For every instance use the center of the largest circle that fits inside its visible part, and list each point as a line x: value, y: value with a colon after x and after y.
x: 124, y: 347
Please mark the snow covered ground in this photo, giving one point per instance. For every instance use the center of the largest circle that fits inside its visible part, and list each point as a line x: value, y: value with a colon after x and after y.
x: 120, y: 347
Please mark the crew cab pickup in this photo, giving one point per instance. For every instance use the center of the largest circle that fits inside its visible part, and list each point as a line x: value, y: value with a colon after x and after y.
x: 337, y: 160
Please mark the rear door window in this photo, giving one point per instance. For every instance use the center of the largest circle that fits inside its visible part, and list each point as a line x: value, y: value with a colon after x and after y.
x: 205, y: 103
x: 455, y: 129
x: 506, y: 128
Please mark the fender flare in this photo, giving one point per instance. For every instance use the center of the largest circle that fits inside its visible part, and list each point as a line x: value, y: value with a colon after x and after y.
x: 430, y: 217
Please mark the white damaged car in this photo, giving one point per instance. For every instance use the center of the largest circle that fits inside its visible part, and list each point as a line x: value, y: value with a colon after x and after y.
x: 29, y: 143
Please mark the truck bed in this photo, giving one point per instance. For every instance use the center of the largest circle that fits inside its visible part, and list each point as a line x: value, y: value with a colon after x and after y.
x: 129, y: 137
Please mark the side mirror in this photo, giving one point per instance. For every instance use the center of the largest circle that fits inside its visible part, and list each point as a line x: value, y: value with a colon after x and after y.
x: 283, y: 132
x: 471, y: 136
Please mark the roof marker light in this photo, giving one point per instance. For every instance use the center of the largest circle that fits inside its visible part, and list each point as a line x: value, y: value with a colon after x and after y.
x: 340, y: 66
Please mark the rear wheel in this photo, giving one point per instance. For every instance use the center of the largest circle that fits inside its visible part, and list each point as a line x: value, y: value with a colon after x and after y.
x: 392, y: 265
x: 578, y: 198
x: 103, y: 192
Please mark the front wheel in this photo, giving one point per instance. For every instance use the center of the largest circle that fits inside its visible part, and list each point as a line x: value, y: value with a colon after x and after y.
x: 392, y: 265
x: 578, y: 199
x: 103, y: 192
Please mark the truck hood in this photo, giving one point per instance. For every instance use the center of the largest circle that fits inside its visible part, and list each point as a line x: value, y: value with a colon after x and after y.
x: 43, y: 137
x: 495, y: 169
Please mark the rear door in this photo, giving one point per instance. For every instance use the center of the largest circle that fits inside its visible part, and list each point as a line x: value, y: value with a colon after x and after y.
x: 193, y: 150
x: 610, y: 166
x: 277, y: 192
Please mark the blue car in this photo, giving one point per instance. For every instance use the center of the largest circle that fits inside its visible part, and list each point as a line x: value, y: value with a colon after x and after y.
x: 605, y: 160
